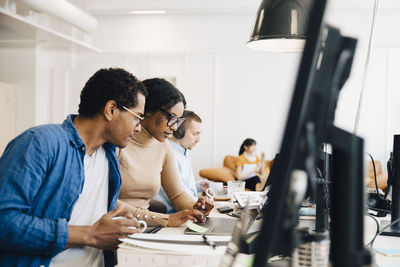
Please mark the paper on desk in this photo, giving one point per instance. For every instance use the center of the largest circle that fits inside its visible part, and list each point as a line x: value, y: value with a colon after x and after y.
x: 196, y: 228
x: 388, y: 251
x: 180, y: 248
x: 179, y: 237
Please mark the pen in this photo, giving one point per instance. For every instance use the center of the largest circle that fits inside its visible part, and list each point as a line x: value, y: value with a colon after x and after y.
x: 208, y: 241
x: 154, y: 230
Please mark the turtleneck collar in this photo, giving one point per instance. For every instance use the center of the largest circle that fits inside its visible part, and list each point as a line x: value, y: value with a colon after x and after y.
x: 143, y: 137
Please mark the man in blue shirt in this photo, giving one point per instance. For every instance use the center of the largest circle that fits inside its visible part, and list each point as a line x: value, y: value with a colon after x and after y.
x: 45, y: 174
x: 185, y: 138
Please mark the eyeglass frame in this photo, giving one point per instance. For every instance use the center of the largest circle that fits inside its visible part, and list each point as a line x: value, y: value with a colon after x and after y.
x: 139, y: 118
x: 170, y: 116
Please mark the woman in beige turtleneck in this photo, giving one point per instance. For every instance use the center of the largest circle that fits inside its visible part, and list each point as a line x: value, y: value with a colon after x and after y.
x: 147, y: 163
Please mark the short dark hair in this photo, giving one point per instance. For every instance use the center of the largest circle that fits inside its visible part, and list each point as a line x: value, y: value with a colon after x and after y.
x: 161, y: 95
x: 109, y: 84
x: 189, y: 116
x: 246, y: 142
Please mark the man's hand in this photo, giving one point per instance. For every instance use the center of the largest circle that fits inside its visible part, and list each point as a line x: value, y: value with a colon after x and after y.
x: 179, y: 218
x: 204, y: 204
x: 106, y: 231
x: 104, y: 234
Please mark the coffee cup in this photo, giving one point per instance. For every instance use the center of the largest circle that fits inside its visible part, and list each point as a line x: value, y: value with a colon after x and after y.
x: 235, y: 186
x: 143, y: 224
x: 218, y: 193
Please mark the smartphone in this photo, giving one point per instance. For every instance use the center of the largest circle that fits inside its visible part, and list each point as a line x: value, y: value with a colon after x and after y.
x: 225, y: 209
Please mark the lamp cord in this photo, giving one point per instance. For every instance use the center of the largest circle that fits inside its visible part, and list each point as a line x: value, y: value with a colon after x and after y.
x: 361, y: 99
x: 376, y: 181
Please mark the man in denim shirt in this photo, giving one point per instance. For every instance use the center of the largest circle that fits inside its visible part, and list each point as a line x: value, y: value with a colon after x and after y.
x: 59, y: 184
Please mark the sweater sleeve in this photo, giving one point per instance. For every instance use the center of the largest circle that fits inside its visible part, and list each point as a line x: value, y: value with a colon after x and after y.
x: 172, y: 184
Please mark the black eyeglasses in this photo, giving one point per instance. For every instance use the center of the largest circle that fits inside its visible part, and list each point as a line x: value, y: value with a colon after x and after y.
x: 172, y: 119
x: 139, y: 119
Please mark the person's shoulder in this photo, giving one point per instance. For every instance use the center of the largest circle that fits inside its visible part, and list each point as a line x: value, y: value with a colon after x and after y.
x: 241, y: 160
x: 175, y: 148
x: 45, y: 132
x: 167, y: 147
x: 242, y: 157
x: 42, y: 137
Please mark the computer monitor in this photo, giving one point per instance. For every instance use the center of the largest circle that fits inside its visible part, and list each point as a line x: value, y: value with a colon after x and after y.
x: 325, y: 66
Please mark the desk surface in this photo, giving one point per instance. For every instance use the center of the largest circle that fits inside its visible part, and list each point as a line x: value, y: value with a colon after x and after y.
x: 381, y: 242
x: 370, y: 229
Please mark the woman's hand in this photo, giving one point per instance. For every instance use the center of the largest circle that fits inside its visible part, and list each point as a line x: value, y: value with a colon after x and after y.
x: 179, y: 218
x: 204, y: 204
x: 257, y: 169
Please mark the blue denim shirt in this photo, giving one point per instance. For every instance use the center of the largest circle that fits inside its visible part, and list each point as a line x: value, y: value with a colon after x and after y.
x: 41, y: 177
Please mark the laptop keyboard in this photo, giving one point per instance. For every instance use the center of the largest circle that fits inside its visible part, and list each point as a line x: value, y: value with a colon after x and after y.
x: 219, y: 224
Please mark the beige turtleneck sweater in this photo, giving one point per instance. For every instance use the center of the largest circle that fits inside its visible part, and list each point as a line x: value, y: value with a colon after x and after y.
x: 146, y: 164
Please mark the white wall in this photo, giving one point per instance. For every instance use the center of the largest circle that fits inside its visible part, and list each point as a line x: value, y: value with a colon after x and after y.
x: 207, y: 53
x: 238, y: 92
x: 17, y: 66
x: 7, y: 107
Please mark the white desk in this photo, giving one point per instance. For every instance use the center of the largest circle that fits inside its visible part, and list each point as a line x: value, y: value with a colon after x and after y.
x: 381, y: 242
x: 370, y: 229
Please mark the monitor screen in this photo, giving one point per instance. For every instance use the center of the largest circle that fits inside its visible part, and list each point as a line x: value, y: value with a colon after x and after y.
x: 325, y: 66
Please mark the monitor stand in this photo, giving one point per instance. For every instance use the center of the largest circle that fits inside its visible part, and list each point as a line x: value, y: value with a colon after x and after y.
x: 395, y: 174
x: 390, y: 231
x: 347, y: 206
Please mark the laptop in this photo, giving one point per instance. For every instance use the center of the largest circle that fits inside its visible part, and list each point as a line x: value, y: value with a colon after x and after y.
x: 225, y: 226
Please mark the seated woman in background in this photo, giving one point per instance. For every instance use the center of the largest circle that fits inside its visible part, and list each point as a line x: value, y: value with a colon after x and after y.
x: 148, y: 162
x: 249, y: 167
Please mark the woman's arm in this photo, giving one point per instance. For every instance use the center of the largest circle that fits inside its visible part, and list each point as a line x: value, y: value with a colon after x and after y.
x: 172, y: 184
x: 151, y: 218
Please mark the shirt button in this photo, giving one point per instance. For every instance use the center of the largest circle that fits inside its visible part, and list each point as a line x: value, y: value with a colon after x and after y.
x: 145, y: 217
x: 138, y: 216
x: 153, y: 217
x: 83, y: 149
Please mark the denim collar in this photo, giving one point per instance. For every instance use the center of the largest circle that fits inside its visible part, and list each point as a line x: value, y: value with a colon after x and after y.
x: 73, y: 135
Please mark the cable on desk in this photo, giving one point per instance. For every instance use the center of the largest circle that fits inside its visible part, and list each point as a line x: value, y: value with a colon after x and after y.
x: 381, y: 231
x: 377, y: 229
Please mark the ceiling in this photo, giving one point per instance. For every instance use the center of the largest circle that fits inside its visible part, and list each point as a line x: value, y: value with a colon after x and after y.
x: 117, y: 7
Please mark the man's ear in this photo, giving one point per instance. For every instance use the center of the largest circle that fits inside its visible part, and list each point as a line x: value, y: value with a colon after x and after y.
x: 110, y: 110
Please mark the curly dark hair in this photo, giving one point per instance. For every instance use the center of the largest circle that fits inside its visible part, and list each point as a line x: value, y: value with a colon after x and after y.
x: 109, y: 84
x: 161, y: 95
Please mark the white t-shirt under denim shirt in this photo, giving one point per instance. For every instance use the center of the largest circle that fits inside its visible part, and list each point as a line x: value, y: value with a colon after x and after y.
x: 90, y: 206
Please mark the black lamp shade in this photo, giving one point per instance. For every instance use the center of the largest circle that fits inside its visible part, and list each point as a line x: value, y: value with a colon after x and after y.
x: 281, y: 25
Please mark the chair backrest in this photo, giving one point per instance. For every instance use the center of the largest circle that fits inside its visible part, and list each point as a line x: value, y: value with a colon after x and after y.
x: 378, y: 167
x: 230, y: 162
